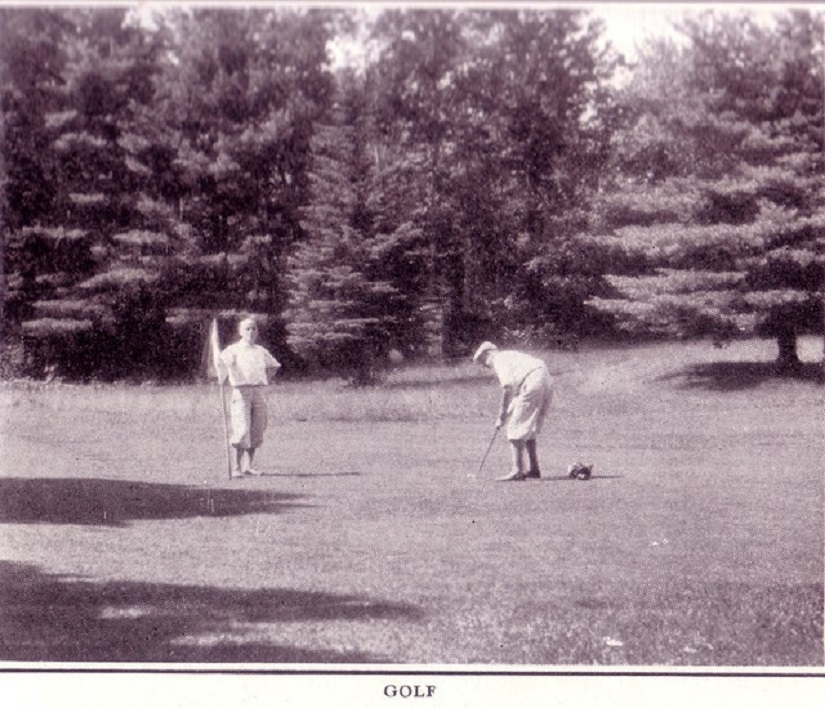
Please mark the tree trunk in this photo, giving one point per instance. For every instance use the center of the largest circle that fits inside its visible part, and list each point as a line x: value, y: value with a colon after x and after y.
x: 788, y: 360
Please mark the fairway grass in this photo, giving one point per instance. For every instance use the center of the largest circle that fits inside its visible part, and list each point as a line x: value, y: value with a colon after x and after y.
x: 698, y: 542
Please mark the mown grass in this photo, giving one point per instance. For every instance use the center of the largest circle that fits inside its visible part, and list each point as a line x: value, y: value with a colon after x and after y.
x: 698, y: 542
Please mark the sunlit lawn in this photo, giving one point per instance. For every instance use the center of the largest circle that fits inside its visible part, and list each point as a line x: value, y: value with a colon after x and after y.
x: 699, y: 541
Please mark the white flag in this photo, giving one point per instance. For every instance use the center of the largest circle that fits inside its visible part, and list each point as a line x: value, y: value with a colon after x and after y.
x: 212, y: 353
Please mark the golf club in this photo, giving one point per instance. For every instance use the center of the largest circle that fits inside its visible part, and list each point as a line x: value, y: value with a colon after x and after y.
x: 484, y: 459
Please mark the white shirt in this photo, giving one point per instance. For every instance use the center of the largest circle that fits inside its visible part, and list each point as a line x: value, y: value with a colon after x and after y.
x: 512, y: 367
x: 246, y: 364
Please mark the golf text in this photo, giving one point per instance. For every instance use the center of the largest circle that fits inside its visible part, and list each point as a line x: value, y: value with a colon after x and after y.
x: 392, y: 691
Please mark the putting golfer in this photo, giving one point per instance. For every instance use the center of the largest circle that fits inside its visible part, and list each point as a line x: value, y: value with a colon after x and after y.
x: 246, y: 364
x: 527, y: 391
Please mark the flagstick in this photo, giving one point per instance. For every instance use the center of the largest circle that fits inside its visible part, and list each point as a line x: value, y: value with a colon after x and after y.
x: 215, y: 370
x: 226, y: 433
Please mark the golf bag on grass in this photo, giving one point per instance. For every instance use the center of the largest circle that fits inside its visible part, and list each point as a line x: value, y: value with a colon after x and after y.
x: 579, y: 470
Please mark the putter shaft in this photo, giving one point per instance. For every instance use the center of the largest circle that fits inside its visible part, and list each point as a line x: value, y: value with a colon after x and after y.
x: 489, y: 447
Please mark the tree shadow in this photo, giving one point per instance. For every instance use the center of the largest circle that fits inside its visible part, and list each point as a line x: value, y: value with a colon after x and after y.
x: 106, y: 502
x: 741, y: 375
x: 51, y: 618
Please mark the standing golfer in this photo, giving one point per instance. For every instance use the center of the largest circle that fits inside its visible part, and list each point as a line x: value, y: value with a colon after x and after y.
x: 526, y: 394
x: 246, y: 365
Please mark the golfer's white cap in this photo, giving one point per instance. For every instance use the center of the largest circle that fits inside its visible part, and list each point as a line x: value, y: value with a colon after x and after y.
x: 482, y: 350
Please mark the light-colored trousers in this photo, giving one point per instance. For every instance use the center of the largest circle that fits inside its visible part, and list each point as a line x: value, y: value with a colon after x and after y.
x: 530, y: 405
x: 249, y: 416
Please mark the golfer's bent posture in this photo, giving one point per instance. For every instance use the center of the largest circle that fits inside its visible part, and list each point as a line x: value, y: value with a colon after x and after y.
x: 527, y: 391
x: 246, y: 365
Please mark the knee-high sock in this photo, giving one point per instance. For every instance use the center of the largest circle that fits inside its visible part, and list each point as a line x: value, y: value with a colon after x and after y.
x: 517, y: 448
x: 532, y: 454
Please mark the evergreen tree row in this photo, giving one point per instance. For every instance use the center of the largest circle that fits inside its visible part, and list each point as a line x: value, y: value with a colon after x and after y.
x: 464, y: 174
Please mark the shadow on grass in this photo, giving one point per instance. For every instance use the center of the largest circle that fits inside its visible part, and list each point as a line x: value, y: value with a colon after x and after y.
x: 736, y: 375
x: 568, y: 478
x: 310, y: 475
x: 49, y: 618
x: 106, y: 502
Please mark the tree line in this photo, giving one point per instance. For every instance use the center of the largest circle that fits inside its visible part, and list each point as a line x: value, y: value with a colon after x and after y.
x: 463, y: 173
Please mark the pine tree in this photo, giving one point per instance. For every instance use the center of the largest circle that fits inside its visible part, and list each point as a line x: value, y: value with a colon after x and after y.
x: 31, y: 61
x: 164, y: 165
x: 81, y: 244
x: 344, y: 311
x: 717, y: 225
